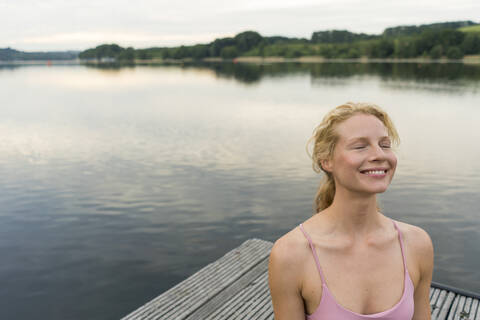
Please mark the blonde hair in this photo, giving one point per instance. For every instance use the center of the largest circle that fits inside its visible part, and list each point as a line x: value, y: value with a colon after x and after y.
x: 325, y: 138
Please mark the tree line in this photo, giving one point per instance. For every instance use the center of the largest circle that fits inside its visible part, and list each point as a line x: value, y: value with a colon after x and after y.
x: 9, y: 54
x: 451, y: 40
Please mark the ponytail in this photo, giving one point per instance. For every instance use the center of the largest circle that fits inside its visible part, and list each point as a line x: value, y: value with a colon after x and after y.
x: 325, y: 193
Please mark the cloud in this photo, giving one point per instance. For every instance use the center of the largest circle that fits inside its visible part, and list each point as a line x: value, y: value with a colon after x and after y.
x: 61, y: 25
x: 136, y: 39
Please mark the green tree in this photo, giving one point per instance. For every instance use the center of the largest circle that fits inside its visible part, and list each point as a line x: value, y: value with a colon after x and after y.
x: 126, y: 55
x: 108, y: 51
x: 229, y: 52
x: 102, y: 51
x: 381, y: 49
x: 144, y: 54
x: 451, y: 38
x: 199, y: 51
x: 471, y: 43
x: 426, y: 41
x: 404, y: 48
x: 167, y: 54
x: 275, y: 50
x: 353, y: 53
x: 180, y: 52
x: 87, y: 54
x: 338, y: 36
x: 436, y: 52
x: 454, y: 53
x: 216, y: 46
x: 327, y: 51
x: 413, y: 30
x: 247, y: 40
x: 293, y: 53
x: 261, y: 49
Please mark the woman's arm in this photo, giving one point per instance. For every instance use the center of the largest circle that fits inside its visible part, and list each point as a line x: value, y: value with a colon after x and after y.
x: 284, y: 279
x: 424, y: 251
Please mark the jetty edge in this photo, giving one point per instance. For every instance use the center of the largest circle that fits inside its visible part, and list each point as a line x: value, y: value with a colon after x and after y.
x: 235, y: 286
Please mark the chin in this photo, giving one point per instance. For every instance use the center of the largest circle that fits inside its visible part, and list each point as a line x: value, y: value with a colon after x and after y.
x: 376, y: 190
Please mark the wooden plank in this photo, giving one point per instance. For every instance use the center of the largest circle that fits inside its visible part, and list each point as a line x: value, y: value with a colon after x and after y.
x: 439, y: 303
x: 190, y: 294
x: 258, y: 308
x: 468, y: 304
x: 267, y: 308
x: 475, y: 313
x: 457, y: 314
x: 214, y: 279
x: 445, y: 308
x: 267, y: 311
x: 237, y: 303
x: 215, y: 285
x: 433, y: 300
x: 453, y: 308
x: 251, y: 310
x: 223, y: 297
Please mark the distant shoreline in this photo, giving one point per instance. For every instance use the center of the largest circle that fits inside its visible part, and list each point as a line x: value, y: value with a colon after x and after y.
x: 40, y: 62
x: 472, y: 59
x: 316, y: 59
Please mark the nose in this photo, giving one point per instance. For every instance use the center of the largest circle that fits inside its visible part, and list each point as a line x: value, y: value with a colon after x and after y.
x: 377, y: 154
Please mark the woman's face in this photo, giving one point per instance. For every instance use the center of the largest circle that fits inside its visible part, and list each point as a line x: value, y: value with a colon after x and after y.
x: 362, y: 161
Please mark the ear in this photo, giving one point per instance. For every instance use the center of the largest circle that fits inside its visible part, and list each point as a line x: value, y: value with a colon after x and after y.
x: 326, y: 165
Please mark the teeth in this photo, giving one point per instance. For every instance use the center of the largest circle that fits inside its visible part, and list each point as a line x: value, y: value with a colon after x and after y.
x: 375, y: 172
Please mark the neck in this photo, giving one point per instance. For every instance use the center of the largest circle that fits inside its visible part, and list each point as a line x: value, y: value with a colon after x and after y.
x: 354, y: 214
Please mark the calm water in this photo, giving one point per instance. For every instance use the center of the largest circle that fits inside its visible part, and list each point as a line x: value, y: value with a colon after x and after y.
x: 117, y: 183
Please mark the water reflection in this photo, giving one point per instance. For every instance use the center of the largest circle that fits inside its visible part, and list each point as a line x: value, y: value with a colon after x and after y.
x: 419, y: 72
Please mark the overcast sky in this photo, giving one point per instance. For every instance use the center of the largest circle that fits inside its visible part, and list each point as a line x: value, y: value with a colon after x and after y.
x: 34, y: 25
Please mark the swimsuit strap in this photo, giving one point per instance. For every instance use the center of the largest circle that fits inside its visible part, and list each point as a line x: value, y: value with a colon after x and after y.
x: 317, y: 262
x: 401, y: 244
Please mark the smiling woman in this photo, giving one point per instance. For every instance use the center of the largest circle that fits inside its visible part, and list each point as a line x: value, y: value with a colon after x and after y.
x: 365, y: 265
x: 332, y: 131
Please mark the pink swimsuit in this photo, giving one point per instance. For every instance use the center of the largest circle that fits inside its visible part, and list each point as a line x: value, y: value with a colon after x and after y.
x: 329, y: 309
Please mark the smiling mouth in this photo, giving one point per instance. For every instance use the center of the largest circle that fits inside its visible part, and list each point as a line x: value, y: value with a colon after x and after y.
x: 374, y: 172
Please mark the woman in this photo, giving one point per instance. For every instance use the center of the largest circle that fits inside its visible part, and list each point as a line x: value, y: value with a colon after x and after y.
x: 349, y: 261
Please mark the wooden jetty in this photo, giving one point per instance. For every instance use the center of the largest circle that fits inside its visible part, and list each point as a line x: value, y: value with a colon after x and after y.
x: 236, y: 287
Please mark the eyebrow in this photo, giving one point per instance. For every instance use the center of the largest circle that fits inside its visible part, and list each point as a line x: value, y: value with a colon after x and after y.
x: 351, y: 140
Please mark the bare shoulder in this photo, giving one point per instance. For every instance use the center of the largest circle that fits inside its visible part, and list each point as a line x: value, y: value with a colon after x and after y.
x: 288, y: 255
x: 420, y: 244
x: 285, y: 274
x: 417, y: 237
x: 289, y: 248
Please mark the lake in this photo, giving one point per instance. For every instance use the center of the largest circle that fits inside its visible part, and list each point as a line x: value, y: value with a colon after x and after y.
x: 119, y: 182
